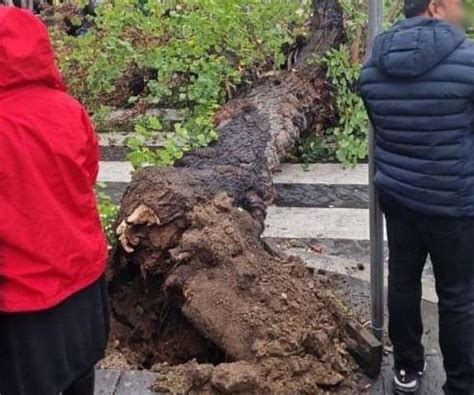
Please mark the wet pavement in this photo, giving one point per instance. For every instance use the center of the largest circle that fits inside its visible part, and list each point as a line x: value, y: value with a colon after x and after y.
x: 356, y: 294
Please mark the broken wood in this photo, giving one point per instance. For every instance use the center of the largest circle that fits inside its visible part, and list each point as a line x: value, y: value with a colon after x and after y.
x: 365, y: 348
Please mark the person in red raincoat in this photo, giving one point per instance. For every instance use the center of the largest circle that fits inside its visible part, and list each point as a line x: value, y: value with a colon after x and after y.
x: 53, y: 304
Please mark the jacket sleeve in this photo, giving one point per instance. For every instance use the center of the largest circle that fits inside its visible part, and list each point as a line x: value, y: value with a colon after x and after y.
x: 92, y: 161
x: 361, y: 85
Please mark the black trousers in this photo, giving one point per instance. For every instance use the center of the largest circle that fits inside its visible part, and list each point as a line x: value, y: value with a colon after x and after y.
x: 84, y: 385
x: 53, y: 351
x: 450, y: 244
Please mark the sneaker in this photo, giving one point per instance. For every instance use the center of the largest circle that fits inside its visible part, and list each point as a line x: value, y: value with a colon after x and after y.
x: 406, y: 382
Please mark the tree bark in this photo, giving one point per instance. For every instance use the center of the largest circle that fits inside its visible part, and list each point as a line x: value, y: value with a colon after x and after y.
x: 190, y: 241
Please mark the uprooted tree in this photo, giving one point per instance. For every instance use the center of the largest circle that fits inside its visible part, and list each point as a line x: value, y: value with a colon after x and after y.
x: 192, y: 282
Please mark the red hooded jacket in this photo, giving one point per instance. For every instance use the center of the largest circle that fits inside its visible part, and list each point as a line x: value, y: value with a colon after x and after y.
x: 51, y: 242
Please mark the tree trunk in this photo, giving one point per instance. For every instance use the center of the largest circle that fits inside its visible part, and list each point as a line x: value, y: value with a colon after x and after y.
x: 191, y: 274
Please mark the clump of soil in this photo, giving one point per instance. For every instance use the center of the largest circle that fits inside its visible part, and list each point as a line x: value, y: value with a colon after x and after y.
x: 291, y: 375
x: 247, y: 320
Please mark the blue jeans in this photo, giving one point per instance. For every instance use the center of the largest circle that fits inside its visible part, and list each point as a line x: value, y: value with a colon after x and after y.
x: 450, y: 244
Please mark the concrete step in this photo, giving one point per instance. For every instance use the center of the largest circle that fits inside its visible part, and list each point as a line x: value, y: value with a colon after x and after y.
x: 288, y: 173
x: 287, y: 195
x: 115, y: 171
x: 345, y: 257
x: 118, y: 139
x: 318, y: 174
x: 319, y: 223
x: 323, y: 173
x: 292, y: 188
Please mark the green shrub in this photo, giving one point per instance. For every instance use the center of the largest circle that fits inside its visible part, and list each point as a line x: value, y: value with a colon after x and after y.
x: 188, y: 54
x: 346, y: 139
x: 349, y: 136
x: 108, y: 211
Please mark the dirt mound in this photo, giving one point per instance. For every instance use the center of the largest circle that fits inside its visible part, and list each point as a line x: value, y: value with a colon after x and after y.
x: 292, y: 375
x: 251, y: 321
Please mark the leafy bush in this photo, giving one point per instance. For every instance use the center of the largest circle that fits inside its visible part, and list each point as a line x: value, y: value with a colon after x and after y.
x: 108, y: 213
x: 190, y: 55
x: 314, y: 149
x: 349, y: 136
x: 345, y: 140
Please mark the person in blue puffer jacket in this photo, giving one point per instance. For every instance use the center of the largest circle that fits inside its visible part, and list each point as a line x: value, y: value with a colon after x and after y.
x: 418, y: 88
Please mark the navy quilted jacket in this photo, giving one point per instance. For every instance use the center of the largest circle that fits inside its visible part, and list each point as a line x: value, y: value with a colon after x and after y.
x: 418, y: 87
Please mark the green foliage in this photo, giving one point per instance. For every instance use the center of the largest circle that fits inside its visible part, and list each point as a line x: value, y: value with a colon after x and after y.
x: 350, y: 133
x: 108, y: 211
x: 315, y: 149
x: 346, y: 139
x: 355, y: 13
x: 470, y: 21
x: 190, y: 54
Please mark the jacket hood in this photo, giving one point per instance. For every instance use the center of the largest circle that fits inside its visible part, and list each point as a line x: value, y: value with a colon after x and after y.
x: 26, y: 55
x: 414, y: 46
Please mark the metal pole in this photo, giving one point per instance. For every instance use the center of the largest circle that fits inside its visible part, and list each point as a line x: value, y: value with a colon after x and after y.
x: 376, y: 217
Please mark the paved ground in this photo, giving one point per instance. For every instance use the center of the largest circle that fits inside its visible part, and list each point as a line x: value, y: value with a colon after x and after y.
x: 111, y: 382
x: 321, y: 215
x: 356, y: 294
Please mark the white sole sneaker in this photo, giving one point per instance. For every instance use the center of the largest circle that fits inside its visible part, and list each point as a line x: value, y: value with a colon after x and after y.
x: 411, y: 387
x: 405, y: 388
